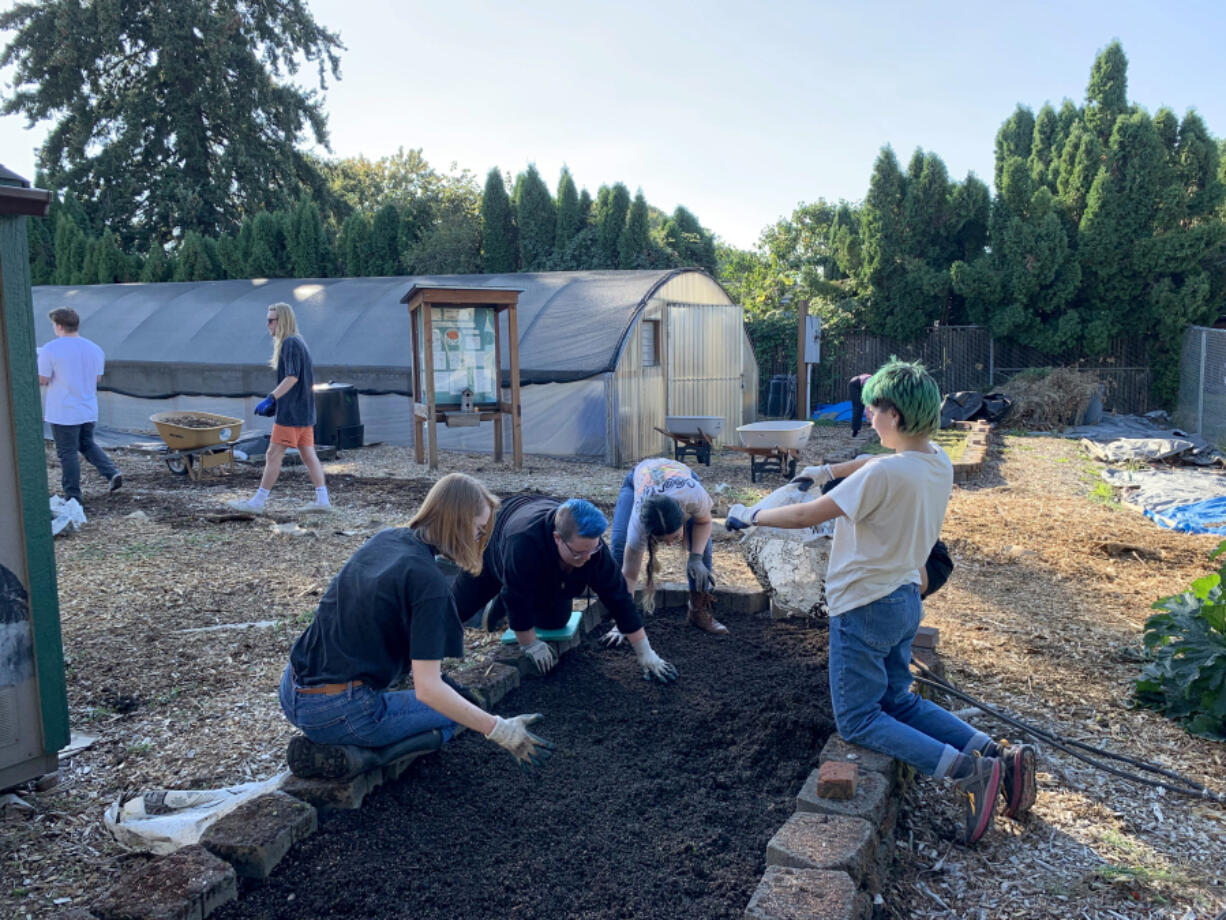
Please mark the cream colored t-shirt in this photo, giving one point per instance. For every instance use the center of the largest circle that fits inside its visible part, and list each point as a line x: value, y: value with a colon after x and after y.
x: 893, y: 508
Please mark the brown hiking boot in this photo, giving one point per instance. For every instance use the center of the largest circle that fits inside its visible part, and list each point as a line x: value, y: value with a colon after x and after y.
x: 700, y: 614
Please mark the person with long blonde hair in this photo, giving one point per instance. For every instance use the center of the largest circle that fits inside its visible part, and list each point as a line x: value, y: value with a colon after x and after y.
x: 389, y: 610
x: 292, y: 405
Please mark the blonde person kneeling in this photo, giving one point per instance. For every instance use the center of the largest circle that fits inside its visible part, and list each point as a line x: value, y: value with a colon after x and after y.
x: 387, y: 612
x: 292, y: 405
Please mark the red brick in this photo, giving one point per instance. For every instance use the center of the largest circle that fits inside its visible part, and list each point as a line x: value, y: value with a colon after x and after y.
x: 838, y: 780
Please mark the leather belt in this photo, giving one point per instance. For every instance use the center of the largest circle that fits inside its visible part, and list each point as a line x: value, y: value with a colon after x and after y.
x: 329, y: 689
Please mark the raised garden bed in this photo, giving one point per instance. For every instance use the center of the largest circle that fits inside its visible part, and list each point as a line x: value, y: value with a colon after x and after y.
x: 659, y: 803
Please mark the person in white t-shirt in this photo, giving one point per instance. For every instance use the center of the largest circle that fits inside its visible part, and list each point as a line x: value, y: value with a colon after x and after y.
x: 70, y: 367
x: 888, y: 514
x: 662, y: 501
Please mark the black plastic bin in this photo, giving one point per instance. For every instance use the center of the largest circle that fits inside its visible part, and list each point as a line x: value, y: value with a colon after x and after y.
x: 338, y: 420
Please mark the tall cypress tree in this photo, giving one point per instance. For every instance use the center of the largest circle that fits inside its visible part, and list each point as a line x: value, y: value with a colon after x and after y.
x: 632, y: 245
x: 1014, y: 139
x: 497, y: 227
x: 568, y: 213
x: 384, y: 259
x: 112, y: 263
x: 1107, y: 93
x: 537, y: 220
x: 354, y: 246
x: 585, y: 208
x: 156, y: 267
x: 612, y: 206
x: 306, y: 241
x: 268, y: 257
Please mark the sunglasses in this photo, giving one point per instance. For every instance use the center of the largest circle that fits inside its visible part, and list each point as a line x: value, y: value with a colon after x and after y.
x: 272, y: 321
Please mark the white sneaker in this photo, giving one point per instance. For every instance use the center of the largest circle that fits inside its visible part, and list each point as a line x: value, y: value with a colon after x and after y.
x: 245, y: 505
x: 315, y: 508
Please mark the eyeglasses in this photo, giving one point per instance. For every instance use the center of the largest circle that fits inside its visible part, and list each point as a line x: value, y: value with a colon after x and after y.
x: 578, y: 554
x: 272, y: 321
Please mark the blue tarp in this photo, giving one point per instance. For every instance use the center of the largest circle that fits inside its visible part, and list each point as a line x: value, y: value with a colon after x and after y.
x: 834, y: 412
x: 1208, y: 516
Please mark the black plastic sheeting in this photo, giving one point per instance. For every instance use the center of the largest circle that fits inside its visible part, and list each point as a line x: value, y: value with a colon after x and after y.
x: 967, y: 406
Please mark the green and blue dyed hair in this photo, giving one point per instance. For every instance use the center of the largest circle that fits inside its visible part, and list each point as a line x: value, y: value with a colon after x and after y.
x: 908, y: 389
x: 578, y: 517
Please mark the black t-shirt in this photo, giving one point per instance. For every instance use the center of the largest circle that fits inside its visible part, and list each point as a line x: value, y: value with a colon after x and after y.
x: 523, y: 556
x: 388, y: 605
x: 296, y: 408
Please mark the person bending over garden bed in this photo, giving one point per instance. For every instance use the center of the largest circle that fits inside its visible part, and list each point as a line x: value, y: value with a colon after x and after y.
x: 390, y: 607
x: 888, y: 515
x: 543, y: 553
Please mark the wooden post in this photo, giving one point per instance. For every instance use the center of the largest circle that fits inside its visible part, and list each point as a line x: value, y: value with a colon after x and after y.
x: 428, y: 350
x: 419, y: 450
x: 517, y: 440
x: 498, y: 387
x: 802, y: 394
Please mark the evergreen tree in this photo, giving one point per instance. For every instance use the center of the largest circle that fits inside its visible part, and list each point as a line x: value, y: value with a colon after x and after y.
x: 1014, y: 139
x: 229, y: 257
x: 632, y: 246
x: 585, y: 209
x: 170, y: 118
x: 1107, y: 94
x: 612, y: 207
x: 1080, y: 162
x: 536, y: 218
x: 41, y: 241
x: 497, y: 227
x: 569, y: 221
x: 384, y: 258
x: 452, y: 246
x: 1024, y: 289
x: 268, y: 256
x: 69, y: 249
x: 89, y: 266
x: 112, y: 263
x: 157, y: 267
x: 683, y: 234
x: 307, y: 241
x: 1044, y: 148
x: 354, y: 246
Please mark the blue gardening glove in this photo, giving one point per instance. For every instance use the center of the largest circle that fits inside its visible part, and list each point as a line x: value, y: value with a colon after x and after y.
x: 512, y: 734
x: 267, y: 406
x: 738, y: 518
x: 696, y: 570
x: 812, y: 476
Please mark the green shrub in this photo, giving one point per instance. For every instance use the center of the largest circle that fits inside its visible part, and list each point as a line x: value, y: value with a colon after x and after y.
x: 1186, y: 678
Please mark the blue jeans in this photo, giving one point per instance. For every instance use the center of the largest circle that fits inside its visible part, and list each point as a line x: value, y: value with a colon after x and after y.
x: 870, y: 687
x: 621, y: 526
x: 71, y: 440
x: 360, y: 716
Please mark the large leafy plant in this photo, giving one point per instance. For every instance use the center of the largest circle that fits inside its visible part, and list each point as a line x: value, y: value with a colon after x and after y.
x: 1186, y: 676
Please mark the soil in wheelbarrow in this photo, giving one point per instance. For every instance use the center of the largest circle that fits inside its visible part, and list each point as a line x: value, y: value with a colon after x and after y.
x: 659, y: 802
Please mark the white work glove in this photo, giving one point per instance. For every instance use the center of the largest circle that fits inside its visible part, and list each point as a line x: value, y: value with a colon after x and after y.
x: 613, y: 637
x: 738, y: 518
x: 696, y: 570
x: 542, y: 655
x: 652, y: 664
x: 512, y: 734
x: 812, y: 476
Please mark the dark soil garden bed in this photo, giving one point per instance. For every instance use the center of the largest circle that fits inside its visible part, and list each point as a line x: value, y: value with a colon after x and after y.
x: 658, y: 803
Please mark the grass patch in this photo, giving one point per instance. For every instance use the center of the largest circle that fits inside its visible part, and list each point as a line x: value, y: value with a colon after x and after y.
x: 1104, y: 495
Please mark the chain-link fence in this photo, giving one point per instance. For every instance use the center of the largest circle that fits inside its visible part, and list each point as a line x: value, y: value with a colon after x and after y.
x: 1202, y: 384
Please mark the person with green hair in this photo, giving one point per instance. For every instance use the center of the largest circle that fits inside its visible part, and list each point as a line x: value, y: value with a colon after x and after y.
x: 888, y: 515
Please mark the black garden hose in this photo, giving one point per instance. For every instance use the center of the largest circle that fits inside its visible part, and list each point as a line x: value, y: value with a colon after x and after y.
x: 1078, y: 749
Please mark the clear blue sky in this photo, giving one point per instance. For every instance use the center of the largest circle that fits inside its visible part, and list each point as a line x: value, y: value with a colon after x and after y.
x: 737, y: 111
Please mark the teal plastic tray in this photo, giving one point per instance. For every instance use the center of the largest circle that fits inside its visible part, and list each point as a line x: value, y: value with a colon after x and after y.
x: 566, y: 632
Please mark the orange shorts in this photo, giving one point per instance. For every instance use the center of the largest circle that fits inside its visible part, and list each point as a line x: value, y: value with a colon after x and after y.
x: 293, y: 436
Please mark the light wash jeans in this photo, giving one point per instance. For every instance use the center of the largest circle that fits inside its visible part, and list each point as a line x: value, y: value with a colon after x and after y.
x: 360, y: 716
x: 870, y: 687
x: 621, y: 526
x: 71, y: 440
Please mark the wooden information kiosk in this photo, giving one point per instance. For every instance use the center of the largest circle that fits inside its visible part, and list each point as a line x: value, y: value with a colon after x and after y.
x: 457, y: 364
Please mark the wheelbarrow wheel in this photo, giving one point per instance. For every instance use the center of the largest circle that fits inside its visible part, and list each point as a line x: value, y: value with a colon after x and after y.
x: 180, y: 466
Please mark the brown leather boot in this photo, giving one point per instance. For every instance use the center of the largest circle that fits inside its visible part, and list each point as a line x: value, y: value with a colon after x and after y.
x: 700, y: 614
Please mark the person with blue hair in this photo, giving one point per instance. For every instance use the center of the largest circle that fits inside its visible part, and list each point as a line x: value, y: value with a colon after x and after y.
x: 544, y: 552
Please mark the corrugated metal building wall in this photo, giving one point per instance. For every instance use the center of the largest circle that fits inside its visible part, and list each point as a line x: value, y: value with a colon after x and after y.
x: 686, y: 355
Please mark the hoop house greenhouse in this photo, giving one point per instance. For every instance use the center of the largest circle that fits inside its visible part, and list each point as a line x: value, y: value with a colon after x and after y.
x: 604, y: 355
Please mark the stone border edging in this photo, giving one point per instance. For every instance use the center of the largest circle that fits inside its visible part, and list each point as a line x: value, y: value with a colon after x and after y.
x: 192, y: 882
x: 970, y: 464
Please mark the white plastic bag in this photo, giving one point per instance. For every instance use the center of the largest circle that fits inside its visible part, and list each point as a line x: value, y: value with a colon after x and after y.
x: 790, y: 494
x: 65, y: 515
x: 163, y: 820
